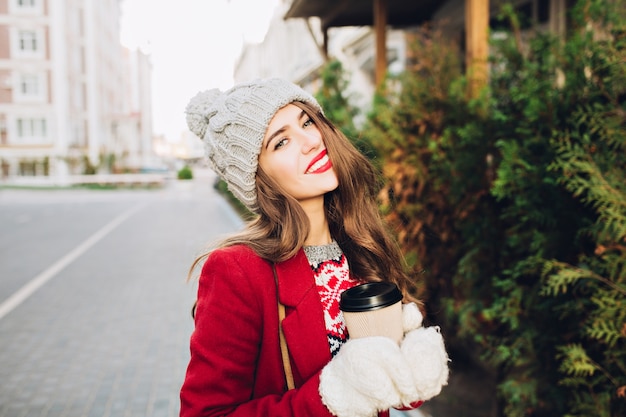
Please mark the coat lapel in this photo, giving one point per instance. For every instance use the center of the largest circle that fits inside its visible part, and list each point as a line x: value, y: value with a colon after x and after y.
x: 303, y: 326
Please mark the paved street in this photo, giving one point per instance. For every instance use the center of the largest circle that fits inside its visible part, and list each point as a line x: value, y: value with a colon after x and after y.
x: 94, y: 304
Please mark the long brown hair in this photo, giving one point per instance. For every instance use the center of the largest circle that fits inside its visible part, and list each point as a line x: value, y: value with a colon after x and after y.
x: 281, y: 227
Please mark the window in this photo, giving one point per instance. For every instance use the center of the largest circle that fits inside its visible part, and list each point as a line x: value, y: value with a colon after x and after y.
x: 32, y: 130
x: 26, y: 6
x: 27, y: 41
x: 31, y: 88
x: 29, y: 85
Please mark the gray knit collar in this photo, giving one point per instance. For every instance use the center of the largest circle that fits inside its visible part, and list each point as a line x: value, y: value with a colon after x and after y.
x: 317, y: 254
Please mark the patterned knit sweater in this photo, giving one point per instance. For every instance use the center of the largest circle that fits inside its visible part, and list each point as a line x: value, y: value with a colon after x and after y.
x: 332, y: 277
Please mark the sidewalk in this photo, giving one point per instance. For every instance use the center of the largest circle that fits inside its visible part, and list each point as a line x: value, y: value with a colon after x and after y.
x: 108, y: 334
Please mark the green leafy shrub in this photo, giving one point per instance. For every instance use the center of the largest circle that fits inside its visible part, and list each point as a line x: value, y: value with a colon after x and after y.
x: 512, y: 208
x: 185, y: 173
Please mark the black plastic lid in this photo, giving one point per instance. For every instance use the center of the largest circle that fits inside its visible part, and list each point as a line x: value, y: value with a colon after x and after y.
x: 370, y: 296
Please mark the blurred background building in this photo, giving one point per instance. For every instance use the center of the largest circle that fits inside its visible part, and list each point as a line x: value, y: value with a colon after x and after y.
x: 72, y: 99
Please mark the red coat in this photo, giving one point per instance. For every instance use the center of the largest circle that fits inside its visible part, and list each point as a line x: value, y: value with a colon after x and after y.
x: 236, y: 367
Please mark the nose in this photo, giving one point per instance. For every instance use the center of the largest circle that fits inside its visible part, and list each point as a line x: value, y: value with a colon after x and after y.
x: 310, y: 141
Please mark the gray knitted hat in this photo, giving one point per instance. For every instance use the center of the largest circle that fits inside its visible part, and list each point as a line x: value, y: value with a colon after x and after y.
x: 233, y: 124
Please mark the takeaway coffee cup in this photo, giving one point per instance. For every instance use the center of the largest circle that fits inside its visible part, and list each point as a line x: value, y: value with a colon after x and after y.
x: 373, y: 309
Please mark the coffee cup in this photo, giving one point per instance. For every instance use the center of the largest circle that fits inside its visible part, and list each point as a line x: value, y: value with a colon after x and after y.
x: 373, y: 309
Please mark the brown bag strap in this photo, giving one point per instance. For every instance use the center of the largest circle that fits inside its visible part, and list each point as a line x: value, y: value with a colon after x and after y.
x: 284, y: 351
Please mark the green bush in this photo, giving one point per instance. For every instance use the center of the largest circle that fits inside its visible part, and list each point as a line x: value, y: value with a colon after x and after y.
x: 512, y: 208
x: 185, y: 173
x: 88, y: 167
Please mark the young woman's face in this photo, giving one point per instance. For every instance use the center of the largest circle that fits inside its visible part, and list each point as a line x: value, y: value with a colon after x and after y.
x: 294, y: 155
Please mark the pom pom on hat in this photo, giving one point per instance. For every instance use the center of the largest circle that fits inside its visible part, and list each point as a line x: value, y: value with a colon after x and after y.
x: 232, y: 125
x: 198, y: 109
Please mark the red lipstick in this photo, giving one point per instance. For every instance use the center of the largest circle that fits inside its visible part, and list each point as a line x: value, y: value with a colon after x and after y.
x: 321, y: 163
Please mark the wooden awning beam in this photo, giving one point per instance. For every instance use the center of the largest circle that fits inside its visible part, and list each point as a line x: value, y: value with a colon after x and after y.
x: 380, y: 33
x: 477, y: 44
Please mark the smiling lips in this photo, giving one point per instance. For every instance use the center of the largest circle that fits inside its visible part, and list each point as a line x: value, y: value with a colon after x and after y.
x: 321, y: 163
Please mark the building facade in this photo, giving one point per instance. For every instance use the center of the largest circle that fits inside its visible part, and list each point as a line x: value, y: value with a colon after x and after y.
x: 72, y: 99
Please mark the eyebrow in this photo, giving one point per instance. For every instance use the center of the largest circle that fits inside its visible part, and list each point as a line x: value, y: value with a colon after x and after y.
x: 281, y: 130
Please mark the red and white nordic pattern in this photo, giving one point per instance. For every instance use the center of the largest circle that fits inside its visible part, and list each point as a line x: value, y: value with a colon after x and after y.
x: 332, y: 277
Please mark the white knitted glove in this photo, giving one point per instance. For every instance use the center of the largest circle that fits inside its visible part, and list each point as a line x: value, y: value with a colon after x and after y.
x: 425, y: 353
x: 368, y: 375
x: 411, y: 317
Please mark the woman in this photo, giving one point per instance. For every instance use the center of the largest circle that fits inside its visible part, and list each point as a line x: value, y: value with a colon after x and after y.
x: 317, y: 233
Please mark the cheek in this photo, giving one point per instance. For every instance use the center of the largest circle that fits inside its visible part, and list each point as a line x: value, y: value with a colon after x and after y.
x: 278, y: 167
x: 285, y: 171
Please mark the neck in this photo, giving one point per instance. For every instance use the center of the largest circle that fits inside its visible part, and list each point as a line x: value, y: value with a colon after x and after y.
x: 319, y: 234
